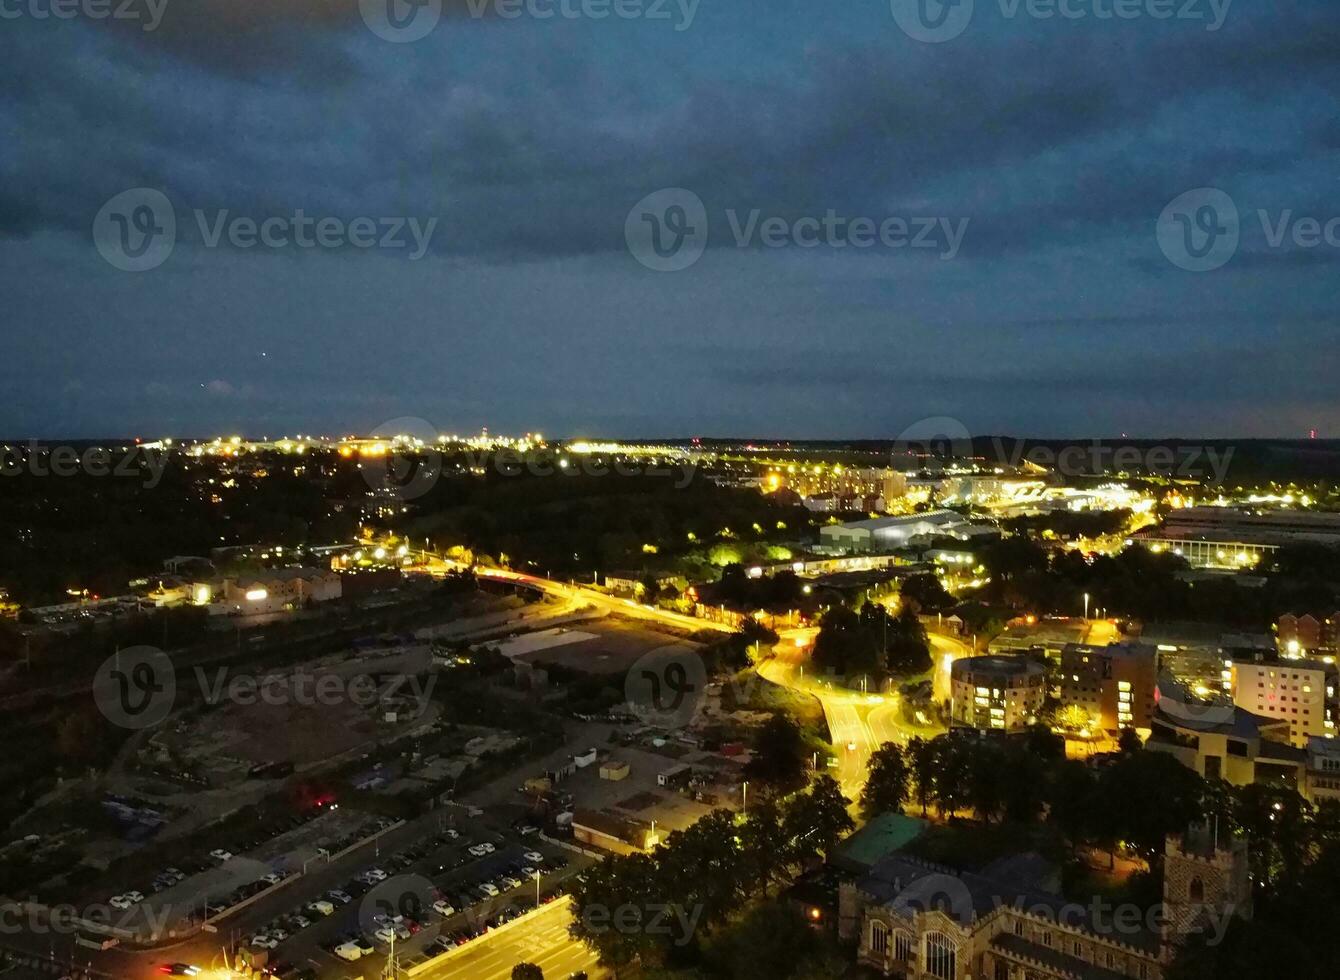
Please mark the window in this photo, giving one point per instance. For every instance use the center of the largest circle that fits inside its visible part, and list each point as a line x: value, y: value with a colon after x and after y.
x: 1018, y: 927
x: 879, y: 938
x: 941, y: 956
x: 1196, y: 892
x: 902, y: 946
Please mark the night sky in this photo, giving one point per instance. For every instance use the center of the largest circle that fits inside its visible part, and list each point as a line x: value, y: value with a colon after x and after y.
x: 1059, y: 141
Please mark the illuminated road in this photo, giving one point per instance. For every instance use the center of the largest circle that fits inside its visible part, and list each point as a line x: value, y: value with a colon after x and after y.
x: 541, y: 938
x: 858, y: 723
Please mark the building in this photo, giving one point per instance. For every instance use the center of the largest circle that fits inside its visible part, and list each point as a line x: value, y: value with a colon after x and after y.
x: 612, y: 832
x: 1044, y: 636
x: 921, y: 921
x: 888, y: 533
x: 1236, y: 538
x: 1301, y: 692
x: 270, y: 591
x: 1323, y: 769
x: 1207, y: 732
x: 1114, y: 684
x: 1308, y: 633
x: 996, y: 693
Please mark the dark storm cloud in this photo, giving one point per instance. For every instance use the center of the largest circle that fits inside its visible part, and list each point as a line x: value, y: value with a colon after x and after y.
x: 530, y: 141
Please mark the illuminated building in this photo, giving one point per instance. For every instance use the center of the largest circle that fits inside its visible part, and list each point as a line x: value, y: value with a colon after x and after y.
x: 996, y: 693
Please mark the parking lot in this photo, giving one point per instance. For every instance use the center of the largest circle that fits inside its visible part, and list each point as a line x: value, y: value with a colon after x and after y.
x: 430, y: 895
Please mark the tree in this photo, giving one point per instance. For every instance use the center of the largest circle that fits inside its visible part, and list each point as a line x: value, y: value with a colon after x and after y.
x: 926, y: 592
x: 922, y: 753
x: 779, y: 755
x: 1129, y: 741
x: 527, y: 971
x: 907, y: 650
x: 818, y: 819
x: 888, y: 781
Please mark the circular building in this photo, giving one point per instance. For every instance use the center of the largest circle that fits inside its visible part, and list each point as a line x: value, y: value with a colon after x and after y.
x: 996, y: 693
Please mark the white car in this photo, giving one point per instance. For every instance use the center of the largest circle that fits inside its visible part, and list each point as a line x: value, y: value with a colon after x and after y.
x: 134, y: 897
x: 374, y: 875
x: 321, y: 907
x: 510, y: 882
x: 220, y: 855
x: 534, y: 857
x: 443, y: 908
x: 272, y: 879
x: 344, y: 898
x: 529, y: 872
x: 263, y: 941
x: 488, y: 848
x: 120, y: 902
x: 384, y: 935
x: 488, y: 889
x: 348, y: 951
x: 478, y: 850
x: 452, y: 834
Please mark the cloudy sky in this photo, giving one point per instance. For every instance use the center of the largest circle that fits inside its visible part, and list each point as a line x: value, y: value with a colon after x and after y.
x: 1034, y: 267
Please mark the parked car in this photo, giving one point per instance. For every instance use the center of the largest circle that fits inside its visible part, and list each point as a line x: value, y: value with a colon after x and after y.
x: 321, y: 907
x: 263, y: 941
x: 348, y: 951
x: 335, y: 895
x: 534, y: 857
x: 443, y: 908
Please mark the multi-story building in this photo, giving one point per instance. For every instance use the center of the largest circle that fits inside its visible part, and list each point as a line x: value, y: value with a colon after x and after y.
x: 1308, y: 633
x: 996, y: 693
x: 1301, y: 692
x: 920, y: 921
x: 1323, y: 769
x: 1114, y: 684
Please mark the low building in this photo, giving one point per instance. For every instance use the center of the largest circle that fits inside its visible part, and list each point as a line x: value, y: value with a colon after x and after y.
x: 273, y: 590
x: 996, y: 693
x: 1114, y: 684
x: 887, y: 533
x: 614, y: 770
x: 1211, y: 735
x: 612, y: 832
x: 1308, y: 633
